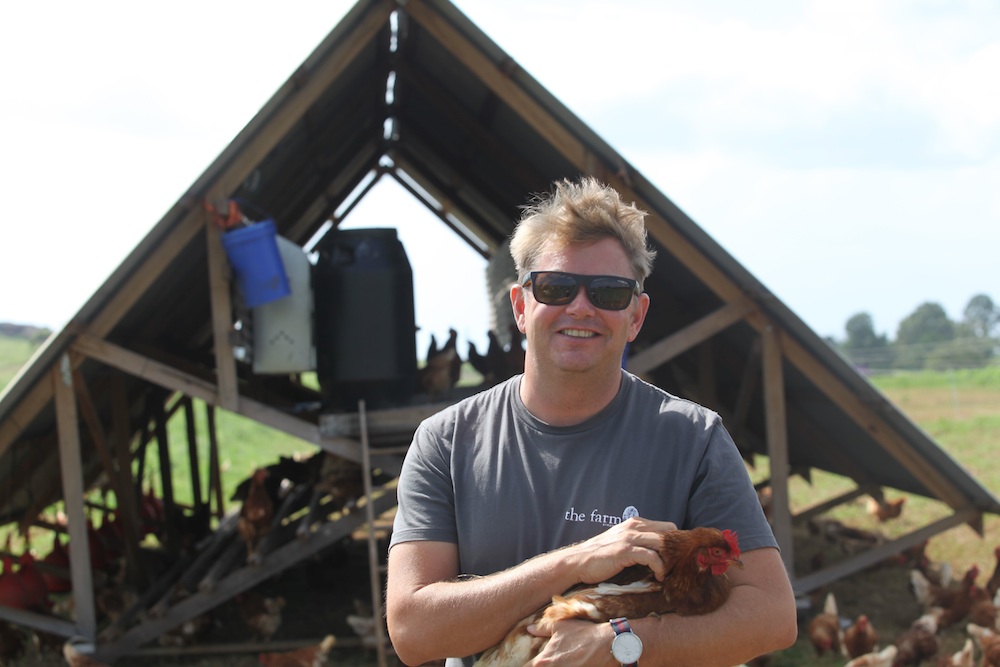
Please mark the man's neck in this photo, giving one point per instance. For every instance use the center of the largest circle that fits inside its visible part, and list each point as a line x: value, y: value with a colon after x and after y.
x: 564, y: 398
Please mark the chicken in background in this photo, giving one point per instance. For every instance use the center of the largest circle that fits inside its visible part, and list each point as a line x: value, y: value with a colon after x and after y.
x: 989, y: 644
x: 309, y: 656
x: 860, y: 637
x: 993, y: 583
x: 964, y: 657
x: 954, y: 603
x: 884, y: 658
x: 256, y: 514
x: 442, y: 369
x: 697, y: 560
x: 74, y: 658
x: 824, y: 631
x: 919, y: 642
x: 885, y: 510
x: 985, y: 613
x: 261, y: 614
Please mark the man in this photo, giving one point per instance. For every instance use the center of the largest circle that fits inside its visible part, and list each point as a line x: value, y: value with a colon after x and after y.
x: 565, y: 474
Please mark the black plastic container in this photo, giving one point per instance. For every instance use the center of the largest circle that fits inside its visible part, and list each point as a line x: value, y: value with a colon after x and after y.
x: 365, y: 322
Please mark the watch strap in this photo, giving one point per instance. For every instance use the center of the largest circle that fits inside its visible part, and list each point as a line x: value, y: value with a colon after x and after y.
x: 621, y: 626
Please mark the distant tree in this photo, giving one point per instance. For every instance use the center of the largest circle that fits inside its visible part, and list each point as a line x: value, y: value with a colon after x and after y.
x: 863, y: 346
x: 981, y: 316
x: 920, y: 333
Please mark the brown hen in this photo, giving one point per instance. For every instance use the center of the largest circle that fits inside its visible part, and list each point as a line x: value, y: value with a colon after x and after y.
x: 860, y: 637
x: 696, y: 583
x: 309, y: 656
x: 256, y: 514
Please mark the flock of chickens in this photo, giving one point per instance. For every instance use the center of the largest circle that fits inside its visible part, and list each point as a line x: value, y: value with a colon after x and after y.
x: 944, y: 604
x: 443, y: 368
x: 322, y: 483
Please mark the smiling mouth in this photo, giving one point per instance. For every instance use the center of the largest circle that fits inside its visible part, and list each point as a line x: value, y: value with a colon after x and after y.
x: 578, y: 333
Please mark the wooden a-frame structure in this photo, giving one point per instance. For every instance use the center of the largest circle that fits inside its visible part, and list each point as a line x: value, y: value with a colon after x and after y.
x: 470, y: 134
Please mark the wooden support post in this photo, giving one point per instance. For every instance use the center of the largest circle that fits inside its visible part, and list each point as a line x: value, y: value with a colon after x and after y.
x: 192, y: 443
x: 71, y: 465
x: 214, y: 469
x: 125, y: 491
x: 374, y: 570
x: 222, y: 309
x: 777, y: 445
x: 166, y: 475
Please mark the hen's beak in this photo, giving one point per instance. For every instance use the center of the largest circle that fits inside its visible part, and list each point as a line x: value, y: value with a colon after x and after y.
x: 737, y: 562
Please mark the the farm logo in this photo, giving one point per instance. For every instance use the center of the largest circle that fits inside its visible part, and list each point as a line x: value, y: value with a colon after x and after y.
x: 596, y: 516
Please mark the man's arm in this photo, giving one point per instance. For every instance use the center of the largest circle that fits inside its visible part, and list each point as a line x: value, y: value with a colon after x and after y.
x: 432, y: 615
x: 758, y: 618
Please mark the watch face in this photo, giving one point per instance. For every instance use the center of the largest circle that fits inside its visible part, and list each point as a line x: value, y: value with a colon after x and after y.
x: 626, y: 648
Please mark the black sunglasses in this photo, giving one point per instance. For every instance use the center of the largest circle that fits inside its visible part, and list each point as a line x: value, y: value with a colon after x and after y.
x: 558, y: 288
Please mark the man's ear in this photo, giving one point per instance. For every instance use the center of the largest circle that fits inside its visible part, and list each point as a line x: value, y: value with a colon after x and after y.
x: 638, y: 316
x: 517, y: 305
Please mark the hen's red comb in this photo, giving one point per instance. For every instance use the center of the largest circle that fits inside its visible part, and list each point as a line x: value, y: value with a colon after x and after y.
x: 734, y: 546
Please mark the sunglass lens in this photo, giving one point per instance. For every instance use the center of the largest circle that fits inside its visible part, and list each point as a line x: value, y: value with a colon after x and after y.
x: 610, y: 294
x: 554, y: 289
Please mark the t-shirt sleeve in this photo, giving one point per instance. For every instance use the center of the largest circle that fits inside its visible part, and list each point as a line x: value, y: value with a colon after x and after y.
x: 723, y: 495
x: 425, y: 494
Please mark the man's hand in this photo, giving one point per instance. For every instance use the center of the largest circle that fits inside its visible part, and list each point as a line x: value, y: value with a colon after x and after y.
x: 575, y: 642
x: 632, y: 542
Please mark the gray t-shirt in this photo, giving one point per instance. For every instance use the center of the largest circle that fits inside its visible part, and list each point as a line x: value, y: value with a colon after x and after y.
x: 488, y: 476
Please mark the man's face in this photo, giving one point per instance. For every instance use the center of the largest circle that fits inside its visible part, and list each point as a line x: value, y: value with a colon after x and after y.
x: 579, y: 336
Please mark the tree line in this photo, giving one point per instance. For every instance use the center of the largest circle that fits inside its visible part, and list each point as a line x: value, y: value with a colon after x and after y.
x: 927, y: 339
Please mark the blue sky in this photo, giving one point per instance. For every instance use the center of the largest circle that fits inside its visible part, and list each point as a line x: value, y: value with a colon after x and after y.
x: 846, y: 153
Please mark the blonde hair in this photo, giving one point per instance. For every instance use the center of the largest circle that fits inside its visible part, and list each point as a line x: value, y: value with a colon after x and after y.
x: 583, y: 211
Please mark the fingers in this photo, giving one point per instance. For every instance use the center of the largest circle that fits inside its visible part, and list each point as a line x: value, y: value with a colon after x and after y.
x: 635, y: 541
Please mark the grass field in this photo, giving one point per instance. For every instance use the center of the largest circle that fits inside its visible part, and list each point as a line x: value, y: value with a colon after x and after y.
x: 960, y: 410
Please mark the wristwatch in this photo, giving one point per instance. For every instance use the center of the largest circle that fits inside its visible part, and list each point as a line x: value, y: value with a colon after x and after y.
x: 626, y: 647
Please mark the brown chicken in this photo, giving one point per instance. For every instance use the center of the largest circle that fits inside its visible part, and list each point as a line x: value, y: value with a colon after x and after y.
x: 984, y: 613
x: 993, y: 583
x: 964, y: 657
x: 309, y: 656
x: 884, y: 510
x: 956, y: 603
x: 256, y: 514
x: 696, y: 583
x: 261, y: 614
x: 74, y: 658
x: 918, y: 643
x: 824, y: 631
x: 989, y: 644
x: 860, y: 637
x: 443, y: 367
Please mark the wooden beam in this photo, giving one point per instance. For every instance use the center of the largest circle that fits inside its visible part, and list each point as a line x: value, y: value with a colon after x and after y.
x: 374, y: 571
x: 222, y: 317
x: 176, y: 380
x: 876, y: 555
x: 777, y: 444
x: 127, y: 501
x: 71, y: 465
x: 192, y: 444
x: 829, y: 504
x: 700, y: 330
x: 214, y: 467
x: 166, y: 478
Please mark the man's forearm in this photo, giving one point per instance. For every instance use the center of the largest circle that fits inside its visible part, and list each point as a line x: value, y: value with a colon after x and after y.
x: 462, y: 617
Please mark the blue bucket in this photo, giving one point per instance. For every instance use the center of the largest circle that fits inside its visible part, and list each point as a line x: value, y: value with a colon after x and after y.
x: 253, y: 254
